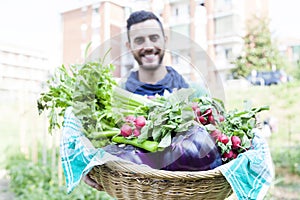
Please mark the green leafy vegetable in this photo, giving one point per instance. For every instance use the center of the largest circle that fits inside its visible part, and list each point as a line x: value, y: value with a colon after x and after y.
x: 97, y: 101
x: 88, y: 88
x: 174, y: 115
x: 59, y: 95
x: 103, y: 107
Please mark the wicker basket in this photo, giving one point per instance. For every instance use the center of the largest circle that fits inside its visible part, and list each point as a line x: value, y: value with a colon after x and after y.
x: 124, y: 180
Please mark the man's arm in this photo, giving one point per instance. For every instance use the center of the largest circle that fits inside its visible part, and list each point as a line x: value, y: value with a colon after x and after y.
x: 87, y: 179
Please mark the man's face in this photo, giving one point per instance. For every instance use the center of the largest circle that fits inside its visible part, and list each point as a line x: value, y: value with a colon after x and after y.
x: 147, y: 44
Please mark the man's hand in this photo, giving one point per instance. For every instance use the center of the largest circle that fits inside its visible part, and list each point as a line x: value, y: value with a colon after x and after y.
x: 87, y: 179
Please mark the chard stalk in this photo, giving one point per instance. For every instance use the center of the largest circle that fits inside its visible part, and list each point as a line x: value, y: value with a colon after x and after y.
x: 129, y: 98
x: 148, y: 145
x: 104, y: 134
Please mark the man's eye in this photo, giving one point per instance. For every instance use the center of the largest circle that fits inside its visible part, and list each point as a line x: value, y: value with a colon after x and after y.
x: 139, y: 40
x: 154, y: 38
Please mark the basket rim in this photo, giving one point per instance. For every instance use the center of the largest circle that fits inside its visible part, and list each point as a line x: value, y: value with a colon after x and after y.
x: 144, y: 170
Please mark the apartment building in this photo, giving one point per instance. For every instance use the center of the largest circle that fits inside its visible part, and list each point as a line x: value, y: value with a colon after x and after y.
x: 97, y: 22
x: 22, y: 70
x: 227, y: 22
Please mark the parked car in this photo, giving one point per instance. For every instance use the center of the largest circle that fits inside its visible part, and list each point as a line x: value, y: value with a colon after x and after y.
x: 269, y: 77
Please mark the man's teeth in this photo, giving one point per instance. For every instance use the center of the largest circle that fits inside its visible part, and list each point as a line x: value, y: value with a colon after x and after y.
x: 150, y: 56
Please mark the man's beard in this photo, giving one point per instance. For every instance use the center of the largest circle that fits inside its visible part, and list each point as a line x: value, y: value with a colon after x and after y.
x: 150, y: 67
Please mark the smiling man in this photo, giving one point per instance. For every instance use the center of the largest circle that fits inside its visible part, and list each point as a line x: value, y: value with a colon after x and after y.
x: 146, y: 41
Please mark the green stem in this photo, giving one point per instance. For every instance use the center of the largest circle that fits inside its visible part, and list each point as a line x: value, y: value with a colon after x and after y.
x: 131, y: 98
x: 104, y: 134
x: 147, y: 145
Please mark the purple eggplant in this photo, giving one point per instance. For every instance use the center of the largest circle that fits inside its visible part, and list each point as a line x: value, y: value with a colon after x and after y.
x: 192, y: 150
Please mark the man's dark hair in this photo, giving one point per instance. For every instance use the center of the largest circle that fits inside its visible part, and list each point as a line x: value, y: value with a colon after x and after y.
x: 141, y: 16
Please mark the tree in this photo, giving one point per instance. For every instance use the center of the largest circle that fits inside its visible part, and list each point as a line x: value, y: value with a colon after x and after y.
x: 259, y: 52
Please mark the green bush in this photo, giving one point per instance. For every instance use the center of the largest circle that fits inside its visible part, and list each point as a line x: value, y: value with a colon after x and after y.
x: 287, y: 158
x: 35, y: 181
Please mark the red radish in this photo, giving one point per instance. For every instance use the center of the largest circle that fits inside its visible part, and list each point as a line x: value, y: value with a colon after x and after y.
x: 234, y: 155
x: 221, y: 118
x: 194, y: 106
x: 136, y: 132
x: 211, y: 119
x: 202, y: 120
x: 198, y: 112
x: 130, y: 118
x: 236, y: 142
x: 228, y: 155
x: 126, y: 130
x: 215, y: 133
x: 223, y: 138
x: 208, y: 112
x: 140, y: 121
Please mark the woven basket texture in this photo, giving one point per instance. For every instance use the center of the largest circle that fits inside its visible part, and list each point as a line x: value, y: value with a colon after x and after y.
x: 124, y: 180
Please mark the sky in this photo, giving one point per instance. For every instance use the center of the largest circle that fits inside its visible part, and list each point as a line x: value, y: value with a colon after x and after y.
x: 33, y: 24
x: 27, y: 22
x: 36, y: 23
x: 285, y: 17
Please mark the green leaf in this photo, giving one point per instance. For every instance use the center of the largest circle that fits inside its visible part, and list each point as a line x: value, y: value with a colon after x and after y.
x: 169, y: 126
x: 250, y: 133
x: 246, y: 143
x: 184, y: 126
x: 187, y: 113
x: 86, y: 49
x: 157, y: 132
x: 251, y: 123
x: 181, y: 95
x: 166, y: 141
x: 145, y: 132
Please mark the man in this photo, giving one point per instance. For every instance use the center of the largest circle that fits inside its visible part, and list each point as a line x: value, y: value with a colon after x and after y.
x: 146, y: 41
x: 249, y: 175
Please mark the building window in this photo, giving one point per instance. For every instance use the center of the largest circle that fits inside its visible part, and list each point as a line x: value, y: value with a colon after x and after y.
x: 180, y: 10
x: 182, y: 29
x: 228, y: 53
x: 227, y: 25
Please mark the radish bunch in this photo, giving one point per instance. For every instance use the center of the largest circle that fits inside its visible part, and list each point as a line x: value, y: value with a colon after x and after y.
x: 132, y: 126
x: 229, y: 145
x: 205, y: 116
x: 233, y: 144
x: 232, y: 131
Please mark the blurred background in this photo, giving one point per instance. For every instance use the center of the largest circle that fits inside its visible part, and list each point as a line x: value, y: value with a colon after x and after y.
x: 254, y: 46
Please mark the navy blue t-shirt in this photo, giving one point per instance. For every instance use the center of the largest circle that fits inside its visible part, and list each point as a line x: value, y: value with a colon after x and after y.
x: 173, y: 80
